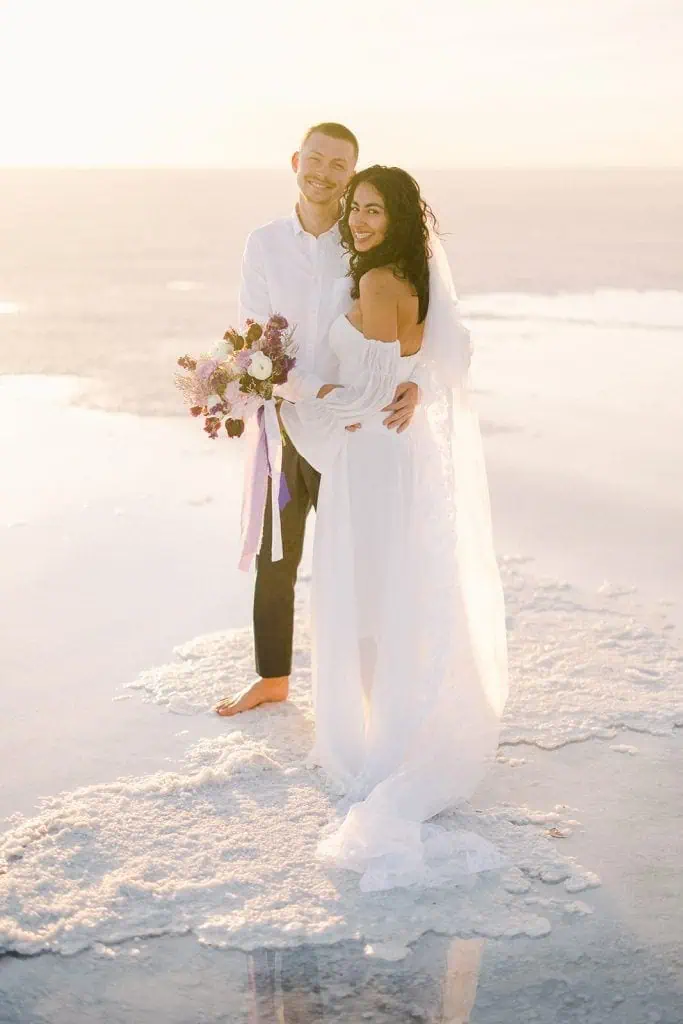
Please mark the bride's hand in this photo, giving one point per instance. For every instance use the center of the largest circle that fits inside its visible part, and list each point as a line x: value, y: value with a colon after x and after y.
x: 326, y: 388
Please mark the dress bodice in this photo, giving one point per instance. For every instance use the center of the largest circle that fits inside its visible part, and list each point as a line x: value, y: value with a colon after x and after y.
x: 368, y: 373
x: 351, y: 348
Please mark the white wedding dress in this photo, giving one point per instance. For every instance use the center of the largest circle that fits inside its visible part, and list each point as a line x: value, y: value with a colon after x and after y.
x: 407, y: 706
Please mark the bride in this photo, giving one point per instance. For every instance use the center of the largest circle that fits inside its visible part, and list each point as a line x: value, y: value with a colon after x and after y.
x: 409, y: 656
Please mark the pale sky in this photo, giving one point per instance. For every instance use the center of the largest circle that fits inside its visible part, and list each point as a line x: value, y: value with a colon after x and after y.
x: 422, y: 82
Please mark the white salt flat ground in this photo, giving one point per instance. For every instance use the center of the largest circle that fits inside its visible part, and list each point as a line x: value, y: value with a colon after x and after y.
x: 118, y: 540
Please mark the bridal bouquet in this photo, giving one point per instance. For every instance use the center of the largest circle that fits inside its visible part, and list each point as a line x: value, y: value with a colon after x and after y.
x: 235, y: 380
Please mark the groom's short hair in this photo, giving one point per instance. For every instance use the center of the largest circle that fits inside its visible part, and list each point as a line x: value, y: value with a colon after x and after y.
x: 335, y: 131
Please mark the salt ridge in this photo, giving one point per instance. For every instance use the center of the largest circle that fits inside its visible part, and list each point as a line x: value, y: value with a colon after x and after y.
x: 586, y: 666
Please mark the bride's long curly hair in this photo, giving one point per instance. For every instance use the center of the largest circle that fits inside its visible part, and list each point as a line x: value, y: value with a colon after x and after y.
x: 406, y: 245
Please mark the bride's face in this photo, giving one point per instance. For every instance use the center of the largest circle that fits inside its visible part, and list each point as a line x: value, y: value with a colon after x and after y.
x: 368, y: 218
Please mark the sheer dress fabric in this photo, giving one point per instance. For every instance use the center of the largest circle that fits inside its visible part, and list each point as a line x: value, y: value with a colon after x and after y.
x: 409, y: 658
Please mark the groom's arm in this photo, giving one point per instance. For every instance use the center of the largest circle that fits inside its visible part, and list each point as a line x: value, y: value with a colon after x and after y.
x: 255, y: 304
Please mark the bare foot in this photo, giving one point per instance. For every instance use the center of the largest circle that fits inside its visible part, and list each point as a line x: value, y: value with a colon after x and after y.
x: 263, y: 691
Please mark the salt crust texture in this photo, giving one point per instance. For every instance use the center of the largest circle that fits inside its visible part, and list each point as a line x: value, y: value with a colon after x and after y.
x: 224, y: 846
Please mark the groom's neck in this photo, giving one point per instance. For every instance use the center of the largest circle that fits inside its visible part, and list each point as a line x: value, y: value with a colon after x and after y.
x: 315, y: 218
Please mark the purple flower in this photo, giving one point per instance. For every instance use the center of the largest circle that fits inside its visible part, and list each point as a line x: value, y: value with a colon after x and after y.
x: 232, y: 393
x: 205, y: 367
x: 242, y: 360
x: 245, y: 406
x: 271, y: 338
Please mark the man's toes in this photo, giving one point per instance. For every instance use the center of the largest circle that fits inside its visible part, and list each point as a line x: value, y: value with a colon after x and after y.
x: 224, y: 707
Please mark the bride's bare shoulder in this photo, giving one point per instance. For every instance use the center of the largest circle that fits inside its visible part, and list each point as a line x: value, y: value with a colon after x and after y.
x: 384, y: 280
x: 379, y: 301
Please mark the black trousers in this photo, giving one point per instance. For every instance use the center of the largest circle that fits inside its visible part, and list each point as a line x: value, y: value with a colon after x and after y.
x: 275, y: 581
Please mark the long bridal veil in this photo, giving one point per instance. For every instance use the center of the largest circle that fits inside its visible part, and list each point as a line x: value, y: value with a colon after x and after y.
x: 446, y: 352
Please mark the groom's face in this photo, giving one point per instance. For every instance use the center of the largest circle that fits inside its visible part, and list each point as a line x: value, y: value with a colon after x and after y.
x: 323, y: 167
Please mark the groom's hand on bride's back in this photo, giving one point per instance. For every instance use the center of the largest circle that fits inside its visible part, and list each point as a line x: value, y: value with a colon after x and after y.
x: 402, y: 409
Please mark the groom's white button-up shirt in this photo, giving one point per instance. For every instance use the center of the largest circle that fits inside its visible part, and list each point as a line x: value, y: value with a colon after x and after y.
x: 286, y: 270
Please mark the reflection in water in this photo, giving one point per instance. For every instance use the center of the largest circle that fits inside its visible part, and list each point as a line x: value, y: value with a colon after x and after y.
x: 459, y: 993
x: 285, y: 988
x: 588, y: 977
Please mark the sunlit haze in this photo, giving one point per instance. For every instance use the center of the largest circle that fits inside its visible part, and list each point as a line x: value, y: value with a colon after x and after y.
x: 465, y: 83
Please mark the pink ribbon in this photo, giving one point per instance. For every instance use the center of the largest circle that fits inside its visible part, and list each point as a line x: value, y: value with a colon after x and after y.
x: 263, y: 460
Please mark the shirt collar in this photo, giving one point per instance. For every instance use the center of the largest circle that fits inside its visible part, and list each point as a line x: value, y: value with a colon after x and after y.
x: 296, y: 223
x: 332, y: 233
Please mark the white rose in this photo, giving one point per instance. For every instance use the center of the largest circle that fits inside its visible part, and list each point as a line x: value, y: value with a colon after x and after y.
x: 213, y: 400
x: 260, y: 366
x: 222, y: 350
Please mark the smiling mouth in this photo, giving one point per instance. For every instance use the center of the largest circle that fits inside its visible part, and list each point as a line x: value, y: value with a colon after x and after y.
x: 361, y: 236
x: 319, y: 186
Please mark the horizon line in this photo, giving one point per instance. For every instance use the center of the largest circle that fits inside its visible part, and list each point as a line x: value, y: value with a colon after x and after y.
x: 285, y: 168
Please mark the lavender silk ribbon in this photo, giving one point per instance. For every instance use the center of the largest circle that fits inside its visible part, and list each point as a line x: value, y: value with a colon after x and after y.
x: 263, y: 460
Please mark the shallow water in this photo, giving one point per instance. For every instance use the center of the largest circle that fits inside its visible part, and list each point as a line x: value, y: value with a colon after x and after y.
x: 602, y: 974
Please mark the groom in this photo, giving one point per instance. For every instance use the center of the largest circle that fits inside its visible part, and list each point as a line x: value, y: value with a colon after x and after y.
x: 296, y: 266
